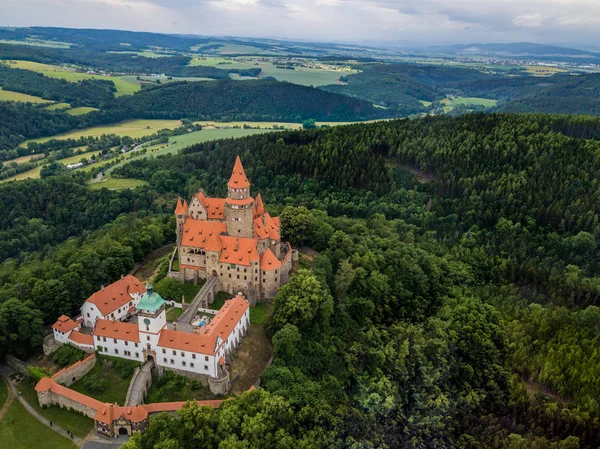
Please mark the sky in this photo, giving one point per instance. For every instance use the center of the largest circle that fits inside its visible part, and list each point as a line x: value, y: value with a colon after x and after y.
x: 401, y: 22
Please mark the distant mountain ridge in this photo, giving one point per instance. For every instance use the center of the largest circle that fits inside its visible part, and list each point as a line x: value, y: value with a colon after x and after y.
x: 515, y: 48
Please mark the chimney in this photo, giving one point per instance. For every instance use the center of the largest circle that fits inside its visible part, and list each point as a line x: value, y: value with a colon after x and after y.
x: 182, y: 299
x: 237, y: 244
x: 102, y: 287
x: 122, y: 276
x: 174, y: 326
x: 264, y: 220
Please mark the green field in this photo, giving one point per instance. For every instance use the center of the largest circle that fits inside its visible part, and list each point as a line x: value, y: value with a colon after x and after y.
x: 8, y: 95
x: 118, y: 183
x: 20, y: 430
x: 74, y: 422
x: 38, y: 43
x: 131, y: 128
x: 58, y: 106
x: 468, y: 101
x: 81, y: 111
x: 114, y: 389
x: 173, y: 313
x: 301, y: 75
x: 53, y: 71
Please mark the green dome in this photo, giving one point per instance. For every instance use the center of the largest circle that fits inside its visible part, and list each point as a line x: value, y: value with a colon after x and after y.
x: 150, y: 301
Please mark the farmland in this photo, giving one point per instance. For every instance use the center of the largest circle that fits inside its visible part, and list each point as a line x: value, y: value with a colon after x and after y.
x: 54, y: 71
x: 131, y: 128
x: 7, y: 95
x: 118, y: 183
x: 81, y: 111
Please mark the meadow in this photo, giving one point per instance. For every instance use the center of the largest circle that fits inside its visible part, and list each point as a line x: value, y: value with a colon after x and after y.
x: 81, y: 110
x: 131, y: 128
x: 54, y: 71
x: 8, y: 95
x: 300, y: 75
x: 117, y: 183
x: 58, y: 107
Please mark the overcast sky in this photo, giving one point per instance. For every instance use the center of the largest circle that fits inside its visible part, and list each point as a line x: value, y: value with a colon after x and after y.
x: 575, y: 22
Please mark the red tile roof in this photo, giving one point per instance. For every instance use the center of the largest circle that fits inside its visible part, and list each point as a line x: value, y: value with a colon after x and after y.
x: 47, y: 384
x: 116, y: 294
x: 82, y: 339
x: 64, y: 324
x: 238, y: 178
x: 181, y: 208
x: 202, y: 234
x: 117, y: 329
x: 74, y: 365
x: 243, y: 202
x: 238, y: 250
x: 268, y: 261
x: 259, y: 207
x: 186, y: 341
x: 226, y: 319
x: 215, y: 207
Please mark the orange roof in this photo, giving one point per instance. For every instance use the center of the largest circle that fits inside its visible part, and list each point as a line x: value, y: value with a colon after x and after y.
x: 108, y: 413
x: 82, y: 339
x: 259, y: 207
x: 221, y: 361
x: 226, y: 319
x: 116, y: 294
x: 238, y: 178
x: 244, y: 202
x: 238, y: 250
x: 181, y: 207
x: 272, y: 227
x: 215, y: 207
x: 186, y: 341
x: 202, y: 234
x: 47, y: 384
x: 64, y: 324
x: 268, y: 261
x: 117, y: 329
x: 74, y: 365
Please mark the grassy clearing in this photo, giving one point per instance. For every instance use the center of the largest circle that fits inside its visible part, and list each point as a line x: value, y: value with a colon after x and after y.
x: 132, y: 79
x: 20, y: 430
x: 131, y: 128
x: 54, y: 71
x: 38, y: 43
x: 190, y: 290
x: 425, y: 103
x: 220, y: 299
x: 58, y: 107
x: 250, y: 359
x: 105, y: 383
x: 258, y: 313
x: 539, y: 70
x: 118, y: 183
x: 8, y: 95
x: 173, y: 313
x: 74, y: 422
x: 172, y: 387
x: 81, y: 111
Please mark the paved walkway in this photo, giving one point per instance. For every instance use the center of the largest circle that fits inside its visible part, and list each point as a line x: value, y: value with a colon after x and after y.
x: 184, y: 323
x: 136, y: 393
x: 78, y: 441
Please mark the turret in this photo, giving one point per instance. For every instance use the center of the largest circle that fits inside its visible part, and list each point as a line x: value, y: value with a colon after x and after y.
x: 239, y: 205
x: 180, y: 214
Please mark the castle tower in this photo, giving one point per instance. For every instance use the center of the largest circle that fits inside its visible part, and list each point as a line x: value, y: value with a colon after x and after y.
x: 239, y: 204
x: 180, y: 213
x: 152, y: 319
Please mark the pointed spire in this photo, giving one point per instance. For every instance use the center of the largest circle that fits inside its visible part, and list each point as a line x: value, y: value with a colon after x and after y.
x: 259, y: 207
x: 238, y: 178
x: 180, y: 209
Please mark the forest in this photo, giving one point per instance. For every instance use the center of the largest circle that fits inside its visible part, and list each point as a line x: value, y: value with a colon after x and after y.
x: 460, y: 312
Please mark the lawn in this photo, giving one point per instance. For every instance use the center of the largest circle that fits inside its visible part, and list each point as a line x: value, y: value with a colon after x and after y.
x: 171, y: 387
x: 123, y: 86
x: 131, y: 128
x: 20, y: 430
x: 74, y: 422
x: 250, y: 359
x: 82, y: 110
x: 3, y: 392
x: 9, y: 95
x: 118, y: 183
x: 258, y: 313
x: 220, y: 299
x: 105, y: 383
x: 58, y: 106
x: 190, y: 290
x: 173, y: 313
x: 450, y: 104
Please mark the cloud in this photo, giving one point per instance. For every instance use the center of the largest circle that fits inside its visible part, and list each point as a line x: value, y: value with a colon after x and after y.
x: 528, y: 20
x: 406, y: 21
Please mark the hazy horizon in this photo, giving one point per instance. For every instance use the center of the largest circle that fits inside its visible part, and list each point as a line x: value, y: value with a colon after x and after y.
x: 381, y: 22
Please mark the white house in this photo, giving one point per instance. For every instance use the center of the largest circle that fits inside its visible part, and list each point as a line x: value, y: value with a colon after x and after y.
x: 63, y: 328
x: 115, y: 302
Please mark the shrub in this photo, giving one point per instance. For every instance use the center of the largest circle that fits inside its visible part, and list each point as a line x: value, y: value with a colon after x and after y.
x: 36, y: 373
x: 67, y: 355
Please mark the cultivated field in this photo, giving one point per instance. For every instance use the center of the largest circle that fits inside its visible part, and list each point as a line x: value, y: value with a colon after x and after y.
x: 58, y: 106
x: 118, y: 183
x: 539, y: 70
x: 38, y: 43
x: 131, y: 128
x: 54, y: 71
x: 81, y: 111
x: 451, y: 103
x: 8, y: 95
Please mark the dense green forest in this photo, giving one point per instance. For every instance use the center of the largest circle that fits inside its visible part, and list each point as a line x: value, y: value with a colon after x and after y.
x: 92, y: 93
x: 455, y: 313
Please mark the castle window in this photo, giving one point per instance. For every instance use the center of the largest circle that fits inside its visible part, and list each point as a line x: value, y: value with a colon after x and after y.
x: 172, y: 362
x: 275, y: 271
x: 147, y: 337
x: 183, y: 363
x: 115, y: 340
x: 238, y: 276
x: 126, y: 344
x: 256, y: 279
x: 147, y: 329
x: 275, y: 279
x: 244, y: 277
x: 103, y: 338
x: 164, y: 360
x: 116, y: 351
x: 136, y: 345
x: 105, y: 349
x: 191, y: 365
x: 245, y: 270
x: 206, y: 358
x: 182, y: 354
x: 264, y: 279
x: 230, y: 275
x: 174, y: 352
x: 205, y: 367
x: 88, y: 314
x: 193, y: 356
x: 137, y: 355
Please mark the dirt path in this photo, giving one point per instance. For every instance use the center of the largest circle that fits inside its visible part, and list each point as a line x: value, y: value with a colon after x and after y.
x: 9, y: 400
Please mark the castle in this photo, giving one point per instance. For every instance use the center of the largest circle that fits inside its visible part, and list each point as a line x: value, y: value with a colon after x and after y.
x: 234, y: 239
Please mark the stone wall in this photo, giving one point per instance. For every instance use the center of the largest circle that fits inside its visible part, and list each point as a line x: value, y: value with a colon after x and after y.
x: 64, y: 402
x: 17, y: 364
x: 73, y: 373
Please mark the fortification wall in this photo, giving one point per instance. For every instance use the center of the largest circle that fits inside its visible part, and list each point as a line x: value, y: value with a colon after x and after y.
x: 73, y: 373
x: 17, y: 364
x: 64, y: 402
